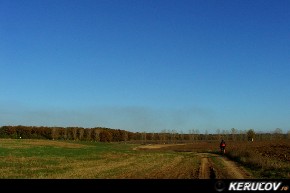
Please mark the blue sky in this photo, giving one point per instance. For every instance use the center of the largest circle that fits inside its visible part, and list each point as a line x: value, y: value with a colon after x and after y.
x: 146, y: 65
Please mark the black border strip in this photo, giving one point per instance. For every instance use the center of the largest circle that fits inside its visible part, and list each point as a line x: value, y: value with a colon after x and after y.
x: 128, y: 185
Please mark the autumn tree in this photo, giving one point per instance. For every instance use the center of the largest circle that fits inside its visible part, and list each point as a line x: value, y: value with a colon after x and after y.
x: 156, y: 137
x: 105, y: 136
x: 74, y: 133
x: 124, y: 136
x: 144, y: 137
x: 131, y: 136
x: 206, y: 134
x: 251, y: 134
x: 10, y: 131
x: 278, y: 133
x: 234, y: 134
x: 80, y: 133
x: 191, y: 136
x: 65, y: 134
x: 181, y: 136
x: 96, y: 134
x: 163, y: 136
x: 225, y: 134
x: 172, y: 135
x: 87, y: 134
x: 54, y: 133
x: 218, y: 132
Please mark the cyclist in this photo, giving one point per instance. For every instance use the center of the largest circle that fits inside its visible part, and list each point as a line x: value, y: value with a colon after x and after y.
x: 223, y: 146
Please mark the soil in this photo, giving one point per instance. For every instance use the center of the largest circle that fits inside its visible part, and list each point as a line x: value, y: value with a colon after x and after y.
x: 227, y: 169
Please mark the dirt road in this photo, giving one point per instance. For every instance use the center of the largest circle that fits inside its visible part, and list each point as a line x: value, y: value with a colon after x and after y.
x: 216, y: 166
x: 154, y: 146
x: 212, y: 166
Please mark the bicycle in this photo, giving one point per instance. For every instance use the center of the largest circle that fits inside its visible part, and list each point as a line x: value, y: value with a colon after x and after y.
x: 223, y: 150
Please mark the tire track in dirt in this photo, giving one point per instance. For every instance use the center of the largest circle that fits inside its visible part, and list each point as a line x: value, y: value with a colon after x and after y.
x: 203, y: 170
x: 206, y: 170
x: 229, y: 169
x: 233, y: 170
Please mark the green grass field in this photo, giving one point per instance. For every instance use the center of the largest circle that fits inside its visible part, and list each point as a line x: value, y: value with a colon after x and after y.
x: 47, y: 159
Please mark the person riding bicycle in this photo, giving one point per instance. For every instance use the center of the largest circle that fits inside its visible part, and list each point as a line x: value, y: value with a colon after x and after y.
x: 223, y: 146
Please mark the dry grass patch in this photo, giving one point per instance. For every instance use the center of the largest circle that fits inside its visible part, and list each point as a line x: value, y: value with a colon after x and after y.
x: 131, y: 166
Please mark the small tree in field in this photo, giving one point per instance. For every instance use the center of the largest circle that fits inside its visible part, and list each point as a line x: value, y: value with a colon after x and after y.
x: 251, y: 134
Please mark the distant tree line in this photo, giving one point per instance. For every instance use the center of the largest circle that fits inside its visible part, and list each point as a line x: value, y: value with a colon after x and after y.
x: 101, y: 134
x: 64, y: 133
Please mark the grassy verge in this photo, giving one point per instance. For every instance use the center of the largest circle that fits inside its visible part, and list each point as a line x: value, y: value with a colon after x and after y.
x: 264, y: 166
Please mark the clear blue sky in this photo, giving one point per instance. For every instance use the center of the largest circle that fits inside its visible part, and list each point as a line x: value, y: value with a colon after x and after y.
x: 146, y: 65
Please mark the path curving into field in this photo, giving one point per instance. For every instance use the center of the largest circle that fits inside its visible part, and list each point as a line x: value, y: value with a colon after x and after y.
x: 212, y: 166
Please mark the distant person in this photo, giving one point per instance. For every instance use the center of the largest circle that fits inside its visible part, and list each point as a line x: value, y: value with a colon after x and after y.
x: 223, y: 146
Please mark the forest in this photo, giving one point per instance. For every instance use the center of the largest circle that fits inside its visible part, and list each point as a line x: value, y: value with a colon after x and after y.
x: 102, y: 134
